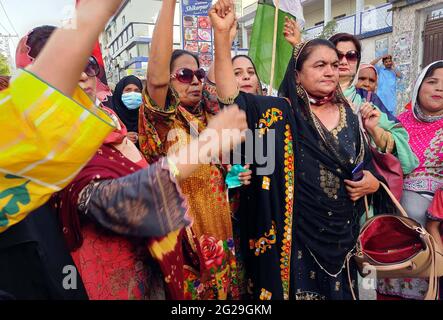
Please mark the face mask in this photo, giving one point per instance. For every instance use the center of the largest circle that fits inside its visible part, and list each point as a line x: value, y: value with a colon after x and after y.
x: 132, y: 100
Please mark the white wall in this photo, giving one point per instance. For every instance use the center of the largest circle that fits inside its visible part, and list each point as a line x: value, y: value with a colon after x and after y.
x: 368, y: 47
x: 314, y: 12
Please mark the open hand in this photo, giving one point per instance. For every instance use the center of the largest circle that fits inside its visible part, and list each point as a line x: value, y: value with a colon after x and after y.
x: 291, y: 31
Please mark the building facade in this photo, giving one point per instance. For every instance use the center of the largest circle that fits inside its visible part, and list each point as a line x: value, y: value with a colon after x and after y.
x: 416, y: 40
x: 5, y: 50
x: 370, y: 20
x: 127, y: 38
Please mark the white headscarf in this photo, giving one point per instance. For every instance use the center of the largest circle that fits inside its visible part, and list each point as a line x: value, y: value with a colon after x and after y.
x: 418, y: 114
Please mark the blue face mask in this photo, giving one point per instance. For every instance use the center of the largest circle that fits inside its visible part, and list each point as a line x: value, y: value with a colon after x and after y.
x: 132, y: 100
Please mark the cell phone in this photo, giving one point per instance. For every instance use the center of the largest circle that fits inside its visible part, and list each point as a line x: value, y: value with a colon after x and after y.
x: 357, y: 173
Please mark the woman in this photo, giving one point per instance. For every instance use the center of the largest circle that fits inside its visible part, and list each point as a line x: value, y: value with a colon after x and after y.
x: 33, y: 254
x: 422, y: 197
x: 126, y: 101
x: 113, y: 230
x: 125, y: 243
x: 384, y: 129
x: 245, y: 74
x: 367, y: 78
x: 303, y: 218
x: 174, y: 110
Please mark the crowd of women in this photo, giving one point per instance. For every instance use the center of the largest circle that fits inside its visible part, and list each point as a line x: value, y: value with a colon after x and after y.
x: 139, y: 221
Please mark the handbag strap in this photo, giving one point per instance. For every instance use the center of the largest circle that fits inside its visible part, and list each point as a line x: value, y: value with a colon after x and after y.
x: 394, y: 200
x: 432, y: 293
x: 348, y: 260
x: 366, y: 207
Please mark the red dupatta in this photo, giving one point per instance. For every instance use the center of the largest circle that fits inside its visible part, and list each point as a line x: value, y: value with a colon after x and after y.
x: 109, y: 163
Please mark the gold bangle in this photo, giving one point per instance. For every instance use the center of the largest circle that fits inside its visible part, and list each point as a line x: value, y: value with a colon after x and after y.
x: 229, y: 100
x: 390, y: 143
x: 383, y: 141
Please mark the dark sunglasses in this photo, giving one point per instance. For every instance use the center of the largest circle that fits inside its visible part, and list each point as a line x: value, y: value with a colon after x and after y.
x: 350, y: 56
x: 186, y: 75
x: 92, y: 68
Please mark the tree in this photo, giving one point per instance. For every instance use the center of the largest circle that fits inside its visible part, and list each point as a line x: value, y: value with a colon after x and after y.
x: 328, y: 30
x: 4, y: 66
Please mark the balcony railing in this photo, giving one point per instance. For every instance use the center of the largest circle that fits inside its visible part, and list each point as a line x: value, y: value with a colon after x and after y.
x: 376, y: 19
x: 371, y: 22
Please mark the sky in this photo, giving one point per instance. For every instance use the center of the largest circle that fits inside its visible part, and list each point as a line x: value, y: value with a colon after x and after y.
x: 27, y: 14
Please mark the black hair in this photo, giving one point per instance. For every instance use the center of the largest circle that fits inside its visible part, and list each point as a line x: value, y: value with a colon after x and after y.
x: 386, y: 58
x: 243, y: 56
x: 307, y: 50
x: 253, y: 65
x: 38, y: 38
x: 432, y: 69
x: 347, y: 37
x: 178, y: 53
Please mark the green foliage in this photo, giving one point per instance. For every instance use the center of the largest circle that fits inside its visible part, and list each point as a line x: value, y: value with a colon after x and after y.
x: 4, y: 66
x: 328, y: 30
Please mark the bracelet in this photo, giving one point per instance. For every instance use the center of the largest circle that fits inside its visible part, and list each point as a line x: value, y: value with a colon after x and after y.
x: 390, y: 143
x: 173, y: 167
x: 382, y: 141
x: 229, y: 100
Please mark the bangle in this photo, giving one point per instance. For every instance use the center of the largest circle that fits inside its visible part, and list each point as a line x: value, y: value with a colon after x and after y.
x: 173, y: 168
x: 229, y: 100
x: 390, y: 143
x: 382, y: 141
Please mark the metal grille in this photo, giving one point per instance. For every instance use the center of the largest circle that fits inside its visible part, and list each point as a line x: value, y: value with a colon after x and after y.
x: 433, y: 39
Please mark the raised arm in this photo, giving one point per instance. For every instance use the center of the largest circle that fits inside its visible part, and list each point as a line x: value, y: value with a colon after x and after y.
x: 232, y: 35
x: 376, y: 60
x: 291, y: 32
x: 158, y: 74
x: 222, y: 16
x: 60, y: 64
x: 156, y: 205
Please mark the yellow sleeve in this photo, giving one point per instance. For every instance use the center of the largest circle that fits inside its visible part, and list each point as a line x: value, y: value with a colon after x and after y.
x: 46, y: 140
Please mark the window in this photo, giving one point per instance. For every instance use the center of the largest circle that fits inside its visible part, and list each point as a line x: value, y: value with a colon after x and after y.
x: 125, y: 34
x: 123, y: 20
x: 131, y: 31
x: 109, y: 34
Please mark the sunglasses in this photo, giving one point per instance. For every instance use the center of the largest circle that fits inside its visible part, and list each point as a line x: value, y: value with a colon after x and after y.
x: 351, y: 56
x: 186, y: 75
x: 92, y: 68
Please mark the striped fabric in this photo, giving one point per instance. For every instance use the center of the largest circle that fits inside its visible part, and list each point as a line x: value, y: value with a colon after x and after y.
x: 46, y: 139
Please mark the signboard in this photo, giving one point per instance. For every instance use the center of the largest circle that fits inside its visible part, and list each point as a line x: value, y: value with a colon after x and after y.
x: 197, y: 32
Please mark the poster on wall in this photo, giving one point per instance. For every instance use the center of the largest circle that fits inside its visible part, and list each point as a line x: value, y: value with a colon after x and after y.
x: 197, y: 32
x: 381, y: 47
x: 403, y: 48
